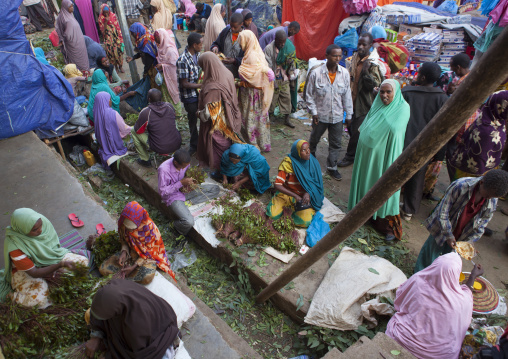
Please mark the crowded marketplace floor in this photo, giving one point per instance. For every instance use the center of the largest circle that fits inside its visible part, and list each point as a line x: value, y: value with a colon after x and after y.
x: 248, y: 171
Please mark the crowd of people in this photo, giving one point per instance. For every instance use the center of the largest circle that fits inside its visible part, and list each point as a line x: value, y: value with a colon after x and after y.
x: 230, y: 82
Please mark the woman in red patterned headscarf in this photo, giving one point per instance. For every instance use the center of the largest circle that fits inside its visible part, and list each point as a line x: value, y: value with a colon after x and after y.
x: 141, y: 234
x: 113, y: 39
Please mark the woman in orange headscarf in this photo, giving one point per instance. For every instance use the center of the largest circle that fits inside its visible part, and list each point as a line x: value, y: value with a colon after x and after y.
x: 142, y: 247
x: 256, y: 92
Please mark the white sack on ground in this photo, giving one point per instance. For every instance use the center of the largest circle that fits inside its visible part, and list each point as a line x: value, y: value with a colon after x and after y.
x: 337, y: 303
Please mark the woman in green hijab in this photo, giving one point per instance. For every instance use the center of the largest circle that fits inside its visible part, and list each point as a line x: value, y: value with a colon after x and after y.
x: 381, y: 142
x: 32, y: 252
x: 100, y: 83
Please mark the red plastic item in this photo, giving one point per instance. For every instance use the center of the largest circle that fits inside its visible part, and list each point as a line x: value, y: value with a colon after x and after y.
x: 316, y: 31
x: 53, y: 37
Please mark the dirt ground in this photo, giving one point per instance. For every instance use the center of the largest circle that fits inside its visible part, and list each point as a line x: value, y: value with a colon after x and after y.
x: 493, y: 250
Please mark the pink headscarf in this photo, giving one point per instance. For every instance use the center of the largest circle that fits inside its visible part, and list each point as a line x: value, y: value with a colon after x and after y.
x: 190, y: 8
x: 167, y: 55
x: 433, y: 311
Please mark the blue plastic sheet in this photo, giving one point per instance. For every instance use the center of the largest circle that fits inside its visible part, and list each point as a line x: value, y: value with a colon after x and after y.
x: 261, y: 11
x: 32, y: 95
x: 318, y: 229
x: 449, y: 6
x: 348, y: 40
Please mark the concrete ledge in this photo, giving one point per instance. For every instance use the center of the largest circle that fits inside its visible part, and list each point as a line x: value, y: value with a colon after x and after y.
x: 144, y: 181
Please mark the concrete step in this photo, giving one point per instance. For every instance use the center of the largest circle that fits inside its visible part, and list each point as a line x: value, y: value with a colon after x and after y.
x: 378, y: 348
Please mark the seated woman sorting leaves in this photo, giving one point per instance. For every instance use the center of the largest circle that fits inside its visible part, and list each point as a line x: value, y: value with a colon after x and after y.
x: 244, y: 166
x: 32, y: 254
x: 299, y: 185
x: 142, y: 247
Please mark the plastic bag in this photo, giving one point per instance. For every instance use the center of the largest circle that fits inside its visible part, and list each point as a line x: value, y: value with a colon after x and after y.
x: 159, y: 78
x: 182, y: 260
x: 318, y: 229
x: 449, y: 6
x: 349, y: 39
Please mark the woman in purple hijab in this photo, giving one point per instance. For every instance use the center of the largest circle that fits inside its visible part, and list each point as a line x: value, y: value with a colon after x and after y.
x: 106, y: 130
x: 72, y: 42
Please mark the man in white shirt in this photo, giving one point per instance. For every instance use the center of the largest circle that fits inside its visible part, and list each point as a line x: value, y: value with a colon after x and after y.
x: 34, y: 7
x: 328, y: 95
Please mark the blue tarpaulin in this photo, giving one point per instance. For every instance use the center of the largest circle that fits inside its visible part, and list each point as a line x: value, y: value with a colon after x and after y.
x: 32, y: 95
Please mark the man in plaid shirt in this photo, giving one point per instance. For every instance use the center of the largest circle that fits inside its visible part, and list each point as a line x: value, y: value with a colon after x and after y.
x: 132, y: 11
x: 462, y: 215
x: 188, y: 75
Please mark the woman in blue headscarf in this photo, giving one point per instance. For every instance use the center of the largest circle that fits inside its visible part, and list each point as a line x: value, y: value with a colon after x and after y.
x: 299, y: 186
x: 243, y: 162
x: 145, y: 42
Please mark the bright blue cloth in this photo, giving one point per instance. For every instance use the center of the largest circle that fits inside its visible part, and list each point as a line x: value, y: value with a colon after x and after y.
x: 318, y: 229
x: 251, y: 159
x: 309, y: 175
x: 39, y: 54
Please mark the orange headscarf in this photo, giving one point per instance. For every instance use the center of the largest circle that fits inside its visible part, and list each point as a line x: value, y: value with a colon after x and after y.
x: 146, y: 239
x: 254, y: 68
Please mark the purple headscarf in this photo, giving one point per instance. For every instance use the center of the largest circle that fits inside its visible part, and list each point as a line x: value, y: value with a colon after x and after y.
x: 106, y: 130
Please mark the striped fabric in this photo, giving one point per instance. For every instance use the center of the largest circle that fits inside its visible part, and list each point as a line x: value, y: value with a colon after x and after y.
x: 75, y: 243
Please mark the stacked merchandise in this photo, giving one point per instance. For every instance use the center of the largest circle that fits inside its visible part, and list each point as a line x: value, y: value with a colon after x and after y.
x: 453, y: 44
x: 404, y: 19
x: 424, y: 47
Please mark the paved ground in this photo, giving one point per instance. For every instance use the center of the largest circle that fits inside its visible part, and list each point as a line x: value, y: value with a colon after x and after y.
x: 37, y: 178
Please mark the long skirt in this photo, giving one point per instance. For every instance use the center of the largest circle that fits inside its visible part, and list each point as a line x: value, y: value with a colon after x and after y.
x: 255, y: 122
x: 211, y: 146
x: 166, y: 97
x: 429, y: 252
x: 30, y: 292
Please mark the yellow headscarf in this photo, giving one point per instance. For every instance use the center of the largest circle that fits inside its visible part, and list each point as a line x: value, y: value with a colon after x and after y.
x: 287, y: 165
x: 71, y: 71
x: 254, y: 68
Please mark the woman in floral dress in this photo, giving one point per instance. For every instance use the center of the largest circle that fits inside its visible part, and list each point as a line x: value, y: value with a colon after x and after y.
x: 113, y: 39
x: 256, y: 92
x: 482, y: 144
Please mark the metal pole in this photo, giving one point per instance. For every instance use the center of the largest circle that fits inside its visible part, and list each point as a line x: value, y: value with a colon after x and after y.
x: 481, y: 82
x: 129, y: 50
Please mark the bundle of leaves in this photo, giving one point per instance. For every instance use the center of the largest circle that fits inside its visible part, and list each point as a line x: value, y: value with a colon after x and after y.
x: 250, y: 225
x: 31, y: 332
x: 199, y: 177
x: 131, y: 118
x: 105, y: 246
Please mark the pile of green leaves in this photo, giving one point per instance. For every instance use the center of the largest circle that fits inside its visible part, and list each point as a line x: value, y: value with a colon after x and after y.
x: 45, y: 44
x: 131, y: 118
x: 30, y: 332
x: 105, y: 246
x: 250, y: 225
x: 198, y: 175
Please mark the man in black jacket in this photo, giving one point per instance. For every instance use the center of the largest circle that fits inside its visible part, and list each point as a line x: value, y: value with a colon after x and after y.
x: 227, y: 43
x: 424, y: 101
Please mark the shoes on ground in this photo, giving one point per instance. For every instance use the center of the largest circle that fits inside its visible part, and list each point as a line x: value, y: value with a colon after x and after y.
x: 488, y: 232
x: 335, y: 175
x: 289, y: 124
x: 345, y: 162
x: 144, y: 163
x: 405, y: 216
x: 389, y: 238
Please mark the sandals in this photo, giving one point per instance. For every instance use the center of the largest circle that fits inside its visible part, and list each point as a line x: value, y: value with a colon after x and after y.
x: 100, y: 229
x: 75, y: 221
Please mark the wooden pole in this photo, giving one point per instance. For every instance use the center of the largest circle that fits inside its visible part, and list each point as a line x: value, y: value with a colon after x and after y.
x: 129, y: 50
x: 480, y: 83
x: 229, y: 10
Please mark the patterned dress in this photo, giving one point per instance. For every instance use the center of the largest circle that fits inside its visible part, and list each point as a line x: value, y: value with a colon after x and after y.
x: 255, y: 121
x: 482, y: 144
x: 113, y: 39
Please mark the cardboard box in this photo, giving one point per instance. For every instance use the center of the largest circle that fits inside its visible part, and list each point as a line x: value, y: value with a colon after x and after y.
x: 432, y: 29
x: 410, y: 30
